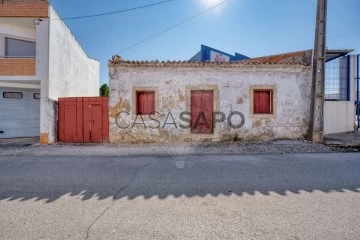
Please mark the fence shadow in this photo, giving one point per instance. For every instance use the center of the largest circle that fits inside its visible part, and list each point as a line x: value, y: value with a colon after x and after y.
x: 50, y: 178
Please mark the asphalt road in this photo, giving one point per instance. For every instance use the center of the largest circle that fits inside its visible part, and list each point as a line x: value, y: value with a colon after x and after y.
x: 298, y: 196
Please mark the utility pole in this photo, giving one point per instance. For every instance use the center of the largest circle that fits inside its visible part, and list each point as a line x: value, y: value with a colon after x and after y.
x: 316, y: 129
x: 358, y: 90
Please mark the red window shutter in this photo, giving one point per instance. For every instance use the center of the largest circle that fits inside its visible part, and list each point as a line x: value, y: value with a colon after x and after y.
x: 145, y: 103
x: 150, y: 106
x: 263, y: 102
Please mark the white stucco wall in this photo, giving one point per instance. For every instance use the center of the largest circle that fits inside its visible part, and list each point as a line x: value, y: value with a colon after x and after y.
x: 292, y: 83
x: 71, y: 72
x: 339, y: 116
x: 47, y: 108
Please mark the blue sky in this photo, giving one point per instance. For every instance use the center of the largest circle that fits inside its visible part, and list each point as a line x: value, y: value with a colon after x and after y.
x: 250, y: 27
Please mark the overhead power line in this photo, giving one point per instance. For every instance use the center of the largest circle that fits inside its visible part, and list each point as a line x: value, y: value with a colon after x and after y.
x: 174, y: 26
x: 115, y: 12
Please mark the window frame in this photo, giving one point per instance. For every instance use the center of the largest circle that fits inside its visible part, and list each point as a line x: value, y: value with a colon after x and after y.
x: 216, y: 133
x: 5, y: 36
x: 273, y: 101
x: 22, y: 95
x: 35, y: 97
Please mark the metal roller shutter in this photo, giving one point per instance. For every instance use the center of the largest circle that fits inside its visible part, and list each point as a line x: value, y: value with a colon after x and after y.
x: 19, y: 113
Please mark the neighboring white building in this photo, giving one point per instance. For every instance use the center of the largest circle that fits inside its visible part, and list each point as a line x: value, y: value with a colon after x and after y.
x: 40, y: 61
x: 340, y: 94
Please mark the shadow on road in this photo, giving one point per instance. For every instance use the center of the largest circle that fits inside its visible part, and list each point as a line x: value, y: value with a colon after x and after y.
x: 50, y: 178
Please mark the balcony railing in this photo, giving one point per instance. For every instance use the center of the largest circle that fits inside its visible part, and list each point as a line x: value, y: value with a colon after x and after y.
x: 24, y: 8
x: 17, y: 66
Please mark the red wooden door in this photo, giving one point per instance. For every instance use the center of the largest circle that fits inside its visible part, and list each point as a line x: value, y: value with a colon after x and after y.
x: 96, y: 120
x: 70, y: 120
x: 83, y: 120
x: 202, y: 112
x: 96, y: 126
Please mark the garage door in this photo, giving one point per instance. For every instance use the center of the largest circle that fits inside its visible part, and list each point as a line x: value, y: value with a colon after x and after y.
x: 19, y: 113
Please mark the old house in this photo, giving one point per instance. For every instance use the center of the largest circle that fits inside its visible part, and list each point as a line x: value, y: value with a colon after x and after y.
x: 256, y: 99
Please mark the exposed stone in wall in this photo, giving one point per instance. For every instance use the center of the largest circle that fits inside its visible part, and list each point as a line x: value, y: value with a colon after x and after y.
x: 49, y: 121
x: 292, y: 82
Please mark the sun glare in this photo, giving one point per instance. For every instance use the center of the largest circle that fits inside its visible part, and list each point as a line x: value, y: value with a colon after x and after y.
x: 212, y: 3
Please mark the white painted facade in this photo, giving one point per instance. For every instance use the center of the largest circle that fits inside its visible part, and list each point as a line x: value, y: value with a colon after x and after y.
x: 71, y: 72
x: 339, y: 116
x: 232, y: 86
x: 63, y: 69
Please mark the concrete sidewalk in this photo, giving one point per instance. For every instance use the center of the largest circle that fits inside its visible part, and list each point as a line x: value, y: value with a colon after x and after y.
x: 346, y: 139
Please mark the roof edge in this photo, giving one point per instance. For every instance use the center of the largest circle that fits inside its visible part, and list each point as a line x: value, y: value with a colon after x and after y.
x: 121, y: 63
x: 294, y: 58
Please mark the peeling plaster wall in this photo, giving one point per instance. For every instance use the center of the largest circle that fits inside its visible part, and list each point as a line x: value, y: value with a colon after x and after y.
x: 232, y: 93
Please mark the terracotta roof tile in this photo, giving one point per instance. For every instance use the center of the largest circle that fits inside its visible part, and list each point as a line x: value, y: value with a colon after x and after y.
x: 293, y: 58
x: 300, y: 57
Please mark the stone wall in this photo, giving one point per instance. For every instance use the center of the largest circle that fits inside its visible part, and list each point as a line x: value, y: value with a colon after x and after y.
x: 232, y: 92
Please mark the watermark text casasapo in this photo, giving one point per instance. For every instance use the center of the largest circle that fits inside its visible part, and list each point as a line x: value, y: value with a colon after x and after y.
x: 235, y: 120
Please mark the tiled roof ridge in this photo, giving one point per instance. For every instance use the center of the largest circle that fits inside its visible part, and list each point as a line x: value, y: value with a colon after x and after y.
x: 288, y: 53
x: 293, y: 58
x: 282, y: 55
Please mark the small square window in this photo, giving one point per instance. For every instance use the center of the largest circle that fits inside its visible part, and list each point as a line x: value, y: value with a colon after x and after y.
x: 13, y: 95
x: 145, y: 102
x: 263, y: 101
x: 37, y: 96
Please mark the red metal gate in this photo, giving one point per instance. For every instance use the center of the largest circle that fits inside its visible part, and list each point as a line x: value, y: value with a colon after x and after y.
x: 202, y: 112
x: 83, y: 120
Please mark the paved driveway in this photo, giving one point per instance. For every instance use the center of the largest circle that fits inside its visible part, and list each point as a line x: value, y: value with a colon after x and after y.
x: 295, y: 196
